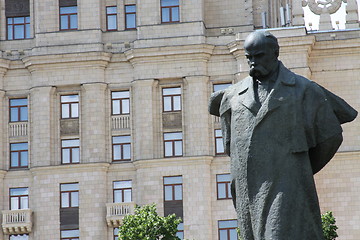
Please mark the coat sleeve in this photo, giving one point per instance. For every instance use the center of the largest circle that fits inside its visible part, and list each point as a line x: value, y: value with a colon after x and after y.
x: 323, y: 129
x: 220, y: 106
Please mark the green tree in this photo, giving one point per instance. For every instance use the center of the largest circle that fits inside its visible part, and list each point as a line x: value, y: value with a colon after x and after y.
x: 146, y: 224
x: 328, y: 225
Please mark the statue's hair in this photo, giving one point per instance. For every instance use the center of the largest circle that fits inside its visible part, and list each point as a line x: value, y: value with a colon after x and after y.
x: 271, y: 39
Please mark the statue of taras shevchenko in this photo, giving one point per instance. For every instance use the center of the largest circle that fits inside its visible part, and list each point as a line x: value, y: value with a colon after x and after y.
x: 279, y: 129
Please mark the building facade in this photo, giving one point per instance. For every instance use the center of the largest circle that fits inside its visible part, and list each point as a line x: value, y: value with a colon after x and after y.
x: 104, y: 106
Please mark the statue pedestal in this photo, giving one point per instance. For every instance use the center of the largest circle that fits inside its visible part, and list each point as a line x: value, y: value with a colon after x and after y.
x: 325, y: 22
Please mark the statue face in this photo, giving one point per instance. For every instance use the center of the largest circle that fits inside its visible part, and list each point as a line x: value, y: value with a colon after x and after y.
x: 261, y: 56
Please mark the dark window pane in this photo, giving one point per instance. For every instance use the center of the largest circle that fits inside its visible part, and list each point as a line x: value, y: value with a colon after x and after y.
x: 112, y: 22
x: 64, y: 22
x: 130, y: 8
x: 111, y: 10
x: 27, y: 31
x: 10, y: 33
x: 19, y: 20
x: 18, y: 102
x: 165, y: 15
x: 66, y: 156
x: 165, y: 3
x: 173, y: 180
x: 67, y: 10
x: 23, y: 114
x: 19, y: 32
x: 126, y: 151
x: 130, y: 21
x: 24, y: 159
x: 168, y: 193
x: 175, y: 14
x: 73, y: 21
x: 221, y: 190
x: 14, y: 117
x: 178, y: 192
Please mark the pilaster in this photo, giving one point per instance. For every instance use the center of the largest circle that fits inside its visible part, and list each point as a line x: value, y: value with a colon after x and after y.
x: 196, y: 116
x: 3, y: 124
x: 94, y: 125
x: 42, y: 122
x: 146, y: 118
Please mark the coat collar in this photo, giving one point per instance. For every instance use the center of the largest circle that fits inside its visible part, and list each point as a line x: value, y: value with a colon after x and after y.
x: 277, y: 96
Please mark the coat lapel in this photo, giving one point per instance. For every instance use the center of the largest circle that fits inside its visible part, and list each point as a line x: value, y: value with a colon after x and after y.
x: 247, y: 97
x: 280, y: 94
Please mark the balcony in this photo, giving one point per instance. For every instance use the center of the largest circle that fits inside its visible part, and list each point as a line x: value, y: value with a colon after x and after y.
x: 18, y: 129
x: 115, y: 212
x: 120, y: 122
x: 17, y: 221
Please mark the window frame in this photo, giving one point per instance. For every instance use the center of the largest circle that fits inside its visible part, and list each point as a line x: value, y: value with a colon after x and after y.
x: 173, y: 188
x: 122, y: 158
x: 71, y: 151
x: 111, y: 14
x: 70, y: 197
x: 116, y: 229
x: 68, y: 18
x: 173, y: 145
x: 122, y: 191
x: 129, y: 13
x: 25, y: 24
x: 222, y: 85
x: 70, y: 107
x: 217, y: 153
x: 172, y: 97
x: 170, y: 12
x: 227, y: 188
x: 121, y: 103
x: 19, y: 107
x: 226, y: 229
x: 19, y: 197
x: 69, y: 238
x: 19, y: 156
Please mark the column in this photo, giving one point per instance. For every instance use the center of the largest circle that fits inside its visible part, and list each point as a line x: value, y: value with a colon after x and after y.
x: 297, y: 13
x: 94, y: 123
x: 352, y: 15
x: 42, y: 126
x: 3, y: 125
x: 146, y: 119
x: 197, y: 137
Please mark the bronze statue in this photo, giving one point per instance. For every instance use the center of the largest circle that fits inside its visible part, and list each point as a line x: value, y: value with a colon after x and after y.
x: 279, y: 129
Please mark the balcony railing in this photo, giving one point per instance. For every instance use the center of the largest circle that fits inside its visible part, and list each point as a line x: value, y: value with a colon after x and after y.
x: 115, y: 212
x: 120, y: 122
x: 18, y: 129
x: 17, y: 221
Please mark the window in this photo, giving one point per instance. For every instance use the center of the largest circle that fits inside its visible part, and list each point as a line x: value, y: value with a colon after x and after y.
x: 171, y: 99
x: 221, y: 86
x: 219, y: 143
x: 122, y: 191
x: 68, y: 17
x: 18, y: 28
x: 70, y: 151
x: 227, y: 230
x: 130, y: 16
x: 69, y: 106
x: 121, y: 148
x: 17, y: 14
x: 19, y: 199
x: 19, y: 237
x: 223, y: 186
x: 116, y: 232
x: 18, y: 155
x: 173, y: 144
x: 70, y: 234
x: 18, y: 110
x: 111, y: 18
x: 169, y: 11
x: 180, y: 232
x: 173, y: 188
x: 120, y: 102
x: 69, y: 195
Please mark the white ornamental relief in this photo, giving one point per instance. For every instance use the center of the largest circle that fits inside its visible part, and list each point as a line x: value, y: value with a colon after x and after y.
x: 323, y: 6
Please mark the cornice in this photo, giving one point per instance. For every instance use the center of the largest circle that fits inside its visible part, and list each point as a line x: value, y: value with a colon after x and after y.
x: 71, y: 168
x: 68, y: 60
x: 195, y: 52
x: 173, y: 162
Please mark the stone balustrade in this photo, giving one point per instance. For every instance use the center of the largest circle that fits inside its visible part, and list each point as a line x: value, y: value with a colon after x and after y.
x: 17, y: 221
x: 120, y: 122
x: 115, y: 212
x: 18, y: 129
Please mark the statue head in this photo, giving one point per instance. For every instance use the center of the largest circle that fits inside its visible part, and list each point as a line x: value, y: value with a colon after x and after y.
x: 262, y: 51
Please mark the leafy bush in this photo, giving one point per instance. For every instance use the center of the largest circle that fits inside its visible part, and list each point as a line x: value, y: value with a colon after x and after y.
x: 328, y: 226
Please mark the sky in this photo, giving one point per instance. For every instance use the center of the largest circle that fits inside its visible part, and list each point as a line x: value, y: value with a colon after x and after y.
x: 338, y: 16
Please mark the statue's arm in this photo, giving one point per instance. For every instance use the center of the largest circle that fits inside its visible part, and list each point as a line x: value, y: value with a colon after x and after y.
x: 225, y: 121
x: 322, y: 153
